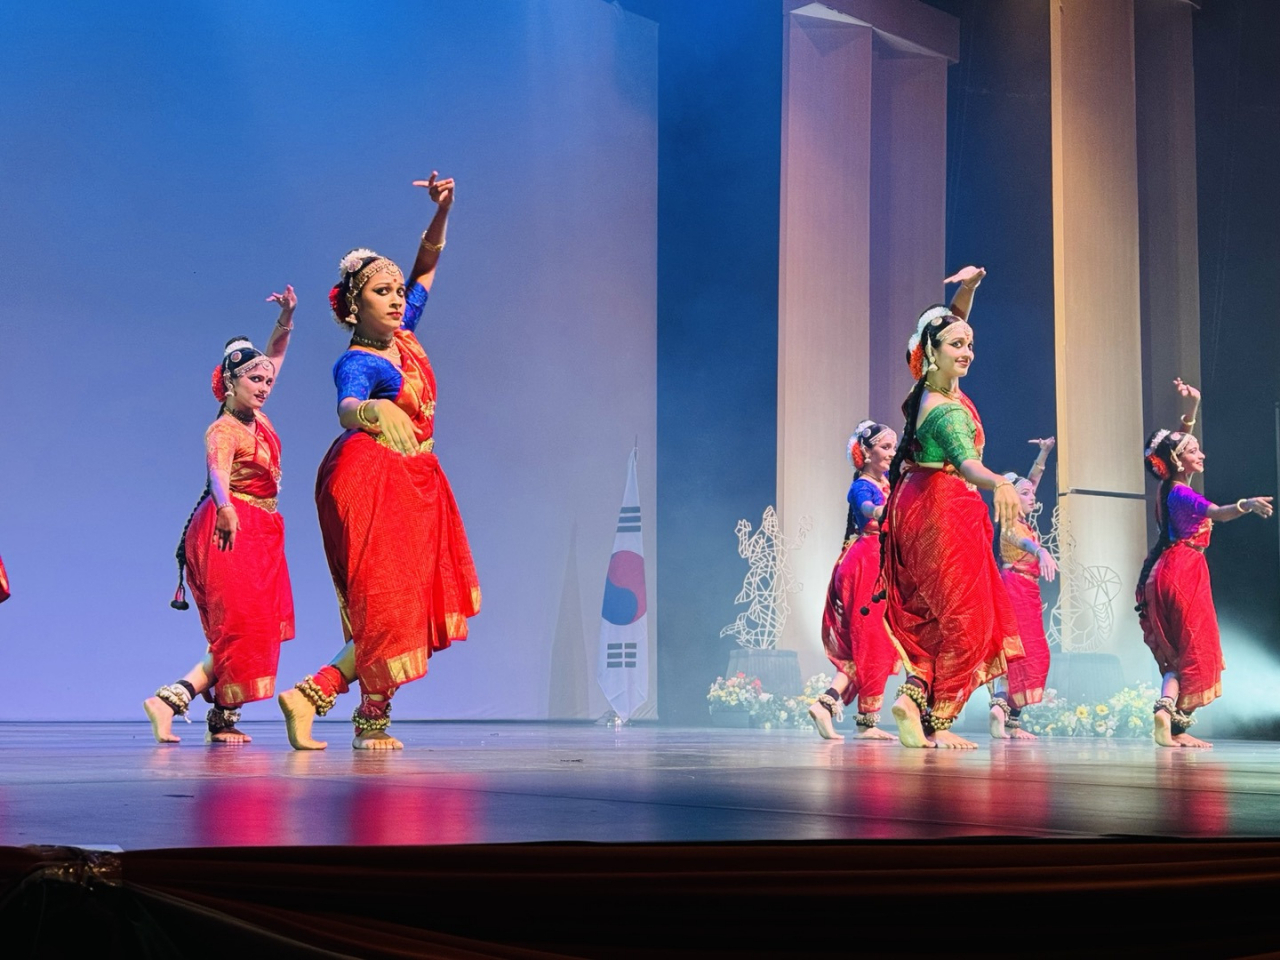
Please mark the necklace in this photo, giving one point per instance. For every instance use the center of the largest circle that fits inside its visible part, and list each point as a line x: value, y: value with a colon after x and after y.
x: 244, y: 416
x: 371, y: 342
x: 942, y: 390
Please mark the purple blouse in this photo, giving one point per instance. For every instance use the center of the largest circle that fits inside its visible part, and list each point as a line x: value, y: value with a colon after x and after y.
x: 1187, y: 511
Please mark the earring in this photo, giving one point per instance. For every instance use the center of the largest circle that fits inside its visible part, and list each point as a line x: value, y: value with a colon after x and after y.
x: 932, y: 366
x: 355, y: 309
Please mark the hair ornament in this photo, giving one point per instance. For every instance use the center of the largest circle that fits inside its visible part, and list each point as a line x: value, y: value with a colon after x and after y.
x: 857, y: 457
x: 240, y: 343
x: 351, y: 262
x: 218, y: 384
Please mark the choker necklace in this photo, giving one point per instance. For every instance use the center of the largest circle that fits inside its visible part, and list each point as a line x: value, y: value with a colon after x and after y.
x: 941, y: 390
x: 370, y: 342
x: 246, y: 418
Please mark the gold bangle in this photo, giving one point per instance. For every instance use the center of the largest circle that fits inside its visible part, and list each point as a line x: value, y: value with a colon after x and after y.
x: 362, y: 417
x: 1240, y: 505
x: 1188, y: 423
x: 1003, y: 483
x: 433, y: 247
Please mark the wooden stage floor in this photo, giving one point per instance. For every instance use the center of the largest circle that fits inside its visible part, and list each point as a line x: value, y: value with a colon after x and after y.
x: 109, y: 784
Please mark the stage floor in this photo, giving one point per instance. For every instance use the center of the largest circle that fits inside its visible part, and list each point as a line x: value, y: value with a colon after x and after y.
x: 110, y: 784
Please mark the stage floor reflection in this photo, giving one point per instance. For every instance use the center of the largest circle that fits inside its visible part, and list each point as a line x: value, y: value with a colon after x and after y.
x: 83, y: 784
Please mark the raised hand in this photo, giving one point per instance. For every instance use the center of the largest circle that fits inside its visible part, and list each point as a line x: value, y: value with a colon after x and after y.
x: 1045, y: 444
x: 1186, y: 389
x: 287, y: 300
x: 969, y: 276
x: 440, y: 191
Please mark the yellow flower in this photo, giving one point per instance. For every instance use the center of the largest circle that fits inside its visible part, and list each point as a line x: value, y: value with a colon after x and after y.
x: 1082, y: 711
x: 1102, y: 709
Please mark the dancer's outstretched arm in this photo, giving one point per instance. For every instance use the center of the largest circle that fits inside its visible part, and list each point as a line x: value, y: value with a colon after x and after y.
x: 278, y: 342
x: 968, y: 278
x: 1037, y: 466
x: 424, y: 264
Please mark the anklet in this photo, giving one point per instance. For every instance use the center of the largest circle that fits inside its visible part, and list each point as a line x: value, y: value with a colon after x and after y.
x: 317, y: 697
x: 938, y: 723
x: 915, y: 692
x: 868, y: 720
x: 222, y: 718
x: 176, y: 698
x: 832, y: 705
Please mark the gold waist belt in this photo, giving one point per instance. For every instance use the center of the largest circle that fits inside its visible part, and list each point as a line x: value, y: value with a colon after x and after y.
x: 262, y: 503
x: 426, y: 446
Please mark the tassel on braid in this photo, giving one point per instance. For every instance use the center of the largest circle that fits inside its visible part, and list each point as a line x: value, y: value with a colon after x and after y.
x: 1163, y: 543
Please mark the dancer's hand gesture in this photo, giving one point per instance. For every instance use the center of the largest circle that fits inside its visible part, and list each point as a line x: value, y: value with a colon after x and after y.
x: 1048, y: 565
x: 1186, y: 390
x: 287, y: 300
x: 1260, y: 505
x: 225, y: 527
x: 1008, y: 505
x: 969, y: 276
x: 440, y: 191
x: 1046, y: 444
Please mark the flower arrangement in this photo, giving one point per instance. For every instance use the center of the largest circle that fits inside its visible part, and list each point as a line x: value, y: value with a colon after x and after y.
x: 767, y: 711
x: 1126, y: 714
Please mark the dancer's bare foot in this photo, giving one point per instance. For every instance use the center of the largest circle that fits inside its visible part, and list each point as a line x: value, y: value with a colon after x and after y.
x: 996, y: 718
x: 824, y: 721
x: 1187, y: 740
x: 946, y: 740
x: 230, y: 736
x: 1163, y: 733
x: 161, y: 716
x: 1017, y: 733
x: 910, y: 729
x: 376, y: 740
x: 299, y: 714
x: 875, y: 733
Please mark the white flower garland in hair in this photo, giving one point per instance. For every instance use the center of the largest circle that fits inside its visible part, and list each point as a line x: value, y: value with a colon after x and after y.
x: 932, y: 315
x: 351, y: 262
x: 1155, y: 441
x: 235, y: 345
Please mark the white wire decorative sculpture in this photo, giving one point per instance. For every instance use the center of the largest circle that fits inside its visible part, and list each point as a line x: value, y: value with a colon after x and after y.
x: 1093, y: 591
x: 769, y: 580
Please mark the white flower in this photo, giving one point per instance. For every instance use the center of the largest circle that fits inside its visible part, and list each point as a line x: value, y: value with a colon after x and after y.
x: 351, y: 262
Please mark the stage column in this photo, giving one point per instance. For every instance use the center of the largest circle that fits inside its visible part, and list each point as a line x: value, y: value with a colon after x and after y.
x: 1097, y: 326
x: 864, y: 115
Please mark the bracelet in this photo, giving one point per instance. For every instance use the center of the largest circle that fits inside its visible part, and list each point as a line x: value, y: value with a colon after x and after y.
x: 362, y: 416
x: 1188, y: 423
x: 1002, y: 483
x: 223, y: 506
x: 1240, y: 505
x: 433, y: 247
x: 284, y: 326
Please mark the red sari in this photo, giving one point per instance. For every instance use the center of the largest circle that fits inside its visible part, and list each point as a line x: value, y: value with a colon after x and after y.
x: 859, y: 647
x: 395, y: 542
x: 947, y: 611
x: 4, y: 583
x: 1020, y: 572
x: 243, y: 594
x: 1179, y: 622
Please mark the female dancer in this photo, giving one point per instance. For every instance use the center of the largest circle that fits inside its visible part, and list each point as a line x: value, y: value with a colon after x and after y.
x: 859, y: 646
x: 232, y: 548
x: 1175, y: 603
x: 395, y: 542
x: 1022, y: 562
x: 947, y: 611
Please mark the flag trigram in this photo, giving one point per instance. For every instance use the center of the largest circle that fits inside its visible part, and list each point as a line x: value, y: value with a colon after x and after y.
x: 620, y: 655
x: 629, y: 520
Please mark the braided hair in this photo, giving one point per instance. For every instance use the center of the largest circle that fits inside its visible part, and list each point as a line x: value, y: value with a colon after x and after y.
x: 1161, y: 463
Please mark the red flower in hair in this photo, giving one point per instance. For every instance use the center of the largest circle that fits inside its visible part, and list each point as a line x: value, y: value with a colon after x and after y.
x: 1158, y: 466
x: 857, y: 455
x: 219, y: 387
x: 916, y: 361
x: 335, y: 299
